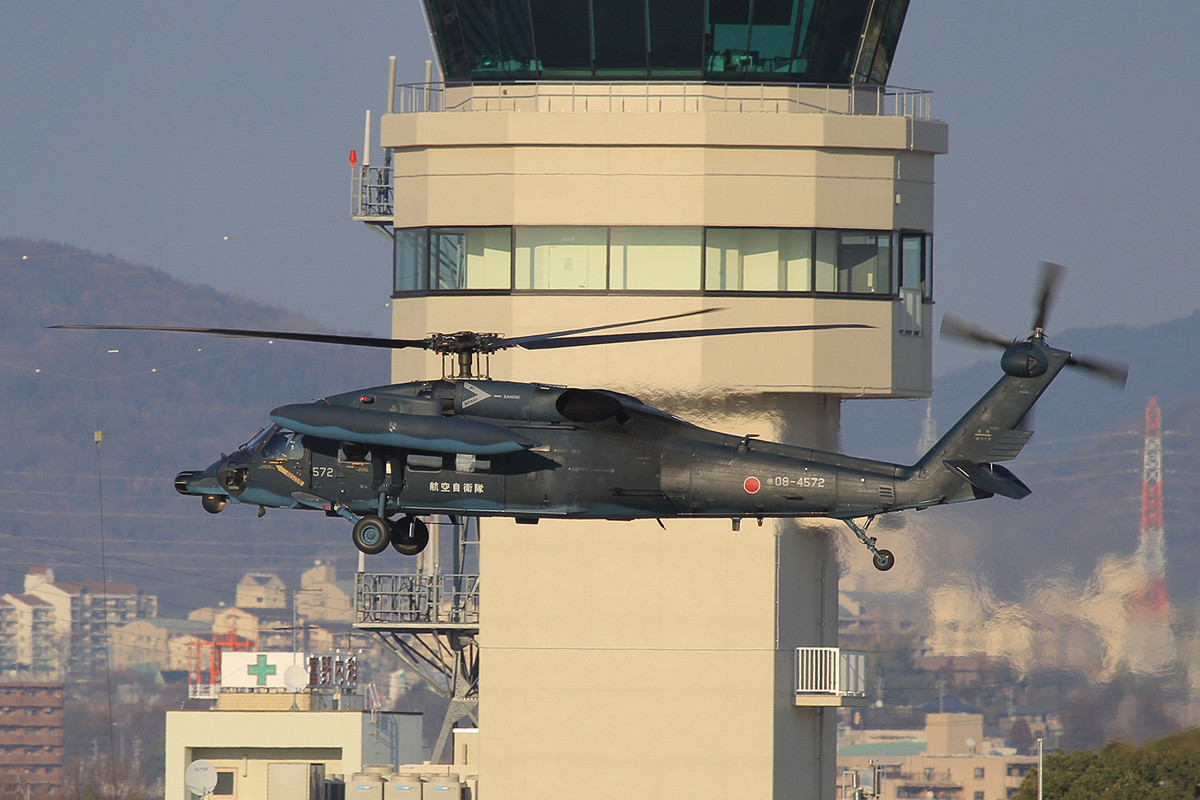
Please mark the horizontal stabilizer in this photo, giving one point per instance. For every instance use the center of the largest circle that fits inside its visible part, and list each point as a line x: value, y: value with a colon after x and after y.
x: 1006, y: 445
x: 991, y: 478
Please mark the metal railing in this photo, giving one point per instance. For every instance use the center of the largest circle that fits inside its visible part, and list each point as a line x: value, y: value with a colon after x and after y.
x: 830, y: 671
x: 912, y: 312
x: 371, y: 192
x: 417, y: 600
x: 646, y: 97
x: 203, y: 691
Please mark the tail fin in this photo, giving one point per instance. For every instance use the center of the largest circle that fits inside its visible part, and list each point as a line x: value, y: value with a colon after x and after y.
x: 962, y: 465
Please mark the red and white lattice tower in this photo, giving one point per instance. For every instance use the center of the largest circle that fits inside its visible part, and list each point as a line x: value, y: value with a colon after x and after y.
x: 1151, y: 643
x: 1150, y: 540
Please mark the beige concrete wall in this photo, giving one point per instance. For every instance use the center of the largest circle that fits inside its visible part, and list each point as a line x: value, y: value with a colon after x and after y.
x: 878, y: 362
x: 717, y: 168
x: 642, y: 663
x: 583, y: 164
x: 247, y: 741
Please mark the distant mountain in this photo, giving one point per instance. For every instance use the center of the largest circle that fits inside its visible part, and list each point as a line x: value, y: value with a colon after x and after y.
x: 164, y: 402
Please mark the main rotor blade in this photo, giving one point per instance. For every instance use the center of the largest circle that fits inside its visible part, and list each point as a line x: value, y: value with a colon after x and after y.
x: 961, y: 329
x: 648, y: 336
x: 1111, y: 371
x: 239, y: 333
x: 1052, y: 275
x: 523, y: 341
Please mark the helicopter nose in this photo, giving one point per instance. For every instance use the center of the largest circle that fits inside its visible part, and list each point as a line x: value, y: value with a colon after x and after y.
x: 181, y: 480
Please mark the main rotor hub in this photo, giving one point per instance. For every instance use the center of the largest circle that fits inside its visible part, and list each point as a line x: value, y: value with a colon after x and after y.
x: 464, y: 342
x: 464, y: 354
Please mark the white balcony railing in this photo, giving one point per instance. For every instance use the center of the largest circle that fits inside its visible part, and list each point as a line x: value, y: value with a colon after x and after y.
x: 830, y: 676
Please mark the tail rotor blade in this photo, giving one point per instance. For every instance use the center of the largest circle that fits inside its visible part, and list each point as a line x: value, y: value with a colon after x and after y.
x: 1110, y: 371
x: 1052, y: 275
x: 956, y: 328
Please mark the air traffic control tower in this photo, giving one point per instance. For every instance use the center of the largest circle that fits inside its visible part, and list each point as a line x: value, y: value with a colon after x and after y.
x: 571, y: 163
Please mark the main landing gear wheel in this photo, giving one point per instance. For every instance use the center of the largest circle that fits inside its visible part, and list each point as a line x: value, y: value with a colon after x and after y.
x: 410, y: 536
x: 371, y: 534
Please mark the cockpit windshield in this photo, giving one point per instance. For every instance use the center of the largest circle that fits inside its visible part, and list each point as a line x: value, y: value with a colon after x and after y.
x: 262, y: 436
x: 273, y: 442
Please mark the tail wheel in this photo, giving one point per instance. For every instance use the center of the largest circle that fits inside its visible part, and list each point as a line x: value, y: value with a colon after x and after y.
x: 884, y: 560
x: 410, y: 536
x: 371, y: 534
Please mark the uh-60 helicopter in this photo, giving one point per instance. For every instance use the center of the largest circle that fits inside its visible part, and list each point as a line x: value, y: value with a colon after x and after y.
x: 466, y: 445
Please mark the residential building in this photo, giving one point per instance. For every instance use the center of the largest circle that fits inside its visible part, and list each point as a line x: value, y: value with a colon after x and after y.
x: 955, y: 762
x: 29, y: 644
x: 83, y: 613
x: 323, y: 597
x: 31, y: 732
x: 159, y: 642
x: 261, y: 590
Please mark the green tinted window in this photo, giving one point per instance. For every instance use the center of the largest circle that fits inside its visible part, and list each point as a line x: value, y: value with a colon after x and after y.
x: 411, y: 256
x: 790, y: 41
x: 661, y: 259
x: 879, y: 40
x: 561, y: 258
x: 563, y: 37
x: 912, y: 261
x: 620, y: 37
x: 676, y: 43
x: 864, y: 263
x: 758, y: 260
x: 470, y: 258
x: 655, y: 258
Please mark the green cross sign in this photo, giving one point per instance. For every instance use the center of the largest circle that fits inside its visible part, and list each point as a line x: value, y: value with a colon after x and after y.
x: 261, y: 669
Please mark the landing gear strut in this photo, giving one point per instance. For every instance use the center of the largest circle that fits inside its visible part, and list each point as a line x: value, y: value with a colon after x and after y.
x: 883, y: 559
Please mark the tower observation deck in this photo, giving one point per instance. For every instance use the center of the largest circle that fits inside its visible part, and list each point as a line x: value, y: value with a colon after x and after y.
x: 583, y: 163
x: 760, y: 41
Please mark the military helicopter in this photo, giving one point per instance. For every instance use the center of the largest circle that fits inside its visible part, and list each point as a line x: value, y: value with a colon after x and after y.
x: 467, y: 445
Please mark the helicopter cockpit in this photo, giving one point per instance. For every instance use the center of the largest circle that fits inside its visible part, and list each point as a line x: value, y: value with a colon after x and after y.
x: 273, y: 443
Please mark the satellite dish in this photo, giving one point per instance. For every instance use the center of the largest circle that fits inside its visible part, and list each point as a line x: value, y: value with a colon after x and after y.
x: 295, y: 677
x: 200, y: 777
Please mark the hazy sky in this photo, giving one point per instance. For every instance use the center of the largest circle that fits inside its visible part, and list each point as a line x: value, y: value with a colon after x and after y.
x: 154, y: 130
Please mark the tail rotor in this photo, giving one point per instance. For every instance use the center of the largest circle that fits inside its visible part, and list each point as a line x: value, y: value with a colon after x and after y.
x: 1020, y: 351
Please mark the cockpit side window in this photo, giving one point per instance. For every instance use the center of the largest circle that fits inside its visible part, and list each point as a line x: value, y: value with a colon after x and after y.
x: 283, y: 445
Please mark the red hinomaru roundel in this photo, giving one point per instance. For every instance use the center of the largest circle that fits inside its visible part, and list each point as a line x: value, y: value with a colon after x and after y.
x: 751, y: 485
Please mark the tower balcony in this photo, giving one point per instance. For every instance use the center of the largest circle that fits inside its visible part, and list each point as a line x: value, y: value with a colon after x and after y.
x: 673, y: 97
x: 830, y: 676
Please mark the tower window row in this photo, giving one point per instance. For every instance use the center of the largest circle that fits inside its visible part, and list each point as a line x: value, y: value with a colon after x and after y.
x: 662, y: 259
x: 803, y: 41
